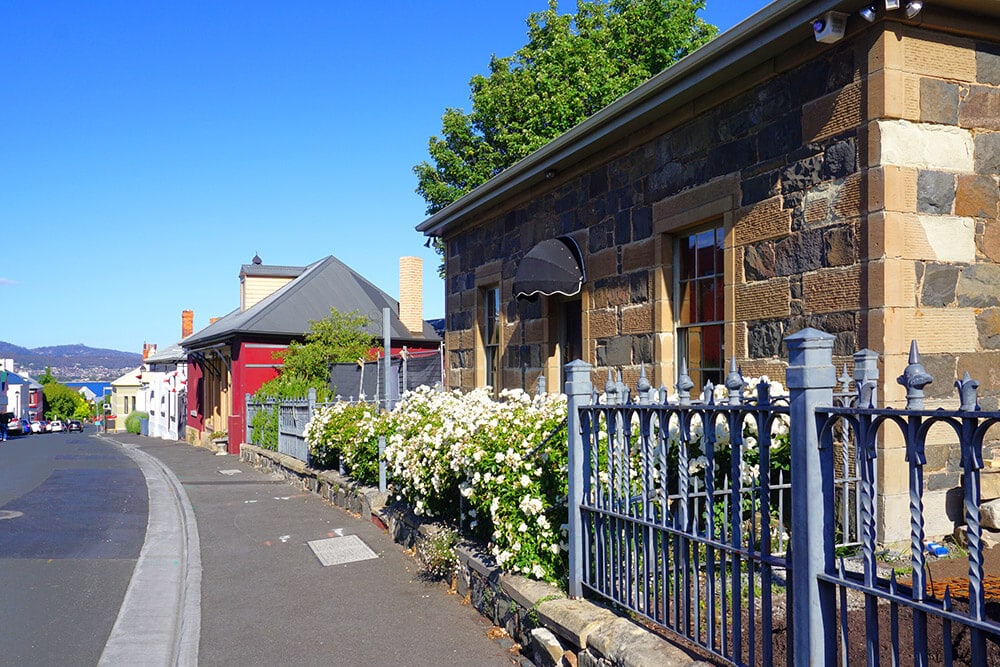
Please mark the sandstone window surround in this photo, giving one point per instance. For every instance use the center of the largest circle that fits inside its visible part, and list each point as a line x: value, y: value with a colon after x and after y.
x: 700, y: 297
x: 490, y: 339
x: 711, y: 207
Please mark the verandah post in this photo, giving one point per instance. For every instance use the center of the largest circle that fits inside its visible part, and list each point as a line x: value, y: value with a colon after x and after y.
x: 248, y: 427
x: 578, y: 391
x: 810, y: 379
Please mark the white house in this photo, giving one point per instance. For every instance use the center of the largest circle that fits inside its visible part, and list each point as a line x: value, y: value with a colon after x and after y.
x: 164, y: 388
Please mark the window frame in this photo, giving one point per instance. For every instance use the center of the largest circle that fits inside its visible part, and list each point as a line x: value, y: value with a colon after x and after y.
x: 685, y: 302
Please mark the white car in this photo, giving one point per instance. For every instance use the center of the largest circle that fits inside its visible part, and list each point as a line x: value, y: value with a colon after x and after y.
x: 36, y: 427
x: 56, y: 425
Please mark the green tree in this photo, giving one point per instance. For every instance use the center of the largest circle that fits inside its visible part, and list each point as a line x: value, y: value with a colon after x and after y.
x: 47, y: 377
x: 61, y: 402
x: 571, y: 67
x: 338, y: 338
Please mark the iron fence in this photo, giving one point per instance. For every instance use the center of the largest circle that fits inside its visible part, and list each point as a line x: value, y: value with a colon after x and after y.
x: 708, y: 518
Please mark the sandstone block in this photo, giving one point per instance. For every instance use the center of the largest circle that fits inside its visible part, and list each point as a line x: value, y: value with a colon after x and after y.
x: 604, y: 263
x: 763, y: 300
x: 765, y: 220
x: 832, y: 114
x: 637, y: 319
x: 892, y: 188
x: 989, y: 484
x: 940, y: 238
x: 603, y: 323
x: 640, y: 255
x: 944, y: 57
x: 938, y: 330
x: 990, y: 514
x: 847, y: 200
x: 925, y: 146
x: 832, y: 290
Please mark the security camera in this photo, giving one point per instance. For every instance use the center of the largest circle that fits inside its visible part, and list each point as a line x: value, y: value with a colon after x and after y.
x: 829, y: 27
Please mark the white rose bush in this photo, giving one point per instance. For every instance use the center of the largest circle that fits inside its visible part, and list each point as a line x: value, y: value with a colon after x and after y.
x: 497, y: 467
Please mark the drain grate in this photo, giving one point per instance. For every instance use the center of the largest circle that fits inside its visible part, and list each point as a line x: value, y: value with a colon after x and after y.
x: 340, y: 550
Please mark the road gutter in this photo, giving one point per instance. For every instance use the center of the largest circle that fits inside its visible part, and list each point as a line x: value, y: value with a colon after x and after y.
x: 160, y: 617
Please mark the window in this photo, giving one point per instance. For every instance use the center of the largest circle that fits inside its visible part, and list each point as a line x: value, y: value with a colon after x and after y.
x: 701, y: 305
x: 491, y: 337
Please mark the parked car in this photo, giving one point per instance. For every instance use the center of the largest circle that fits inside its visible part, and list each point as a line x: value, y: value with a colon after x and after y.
x: 37, y: 427
x: 18, y: 427
x: 74, y: 425
x: 56, y: 426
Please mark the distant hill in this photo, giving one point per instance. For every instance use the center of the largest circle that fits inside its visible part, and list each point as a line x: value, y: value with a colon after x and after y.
x: 71, y: 362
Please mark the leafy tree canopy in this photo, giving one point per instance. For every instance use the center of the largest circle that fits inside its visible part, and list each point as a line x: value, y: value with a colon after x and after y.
x: 47, y: 377
x: 61, y: 402
x: 341, y: 337
x: 571, y: 67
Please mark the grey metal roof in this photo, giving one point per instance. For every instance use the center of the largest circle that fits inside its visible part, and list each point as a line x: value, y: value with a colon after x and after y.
x: 168, y: 355
x: 765, y: 35
x: 286, y: 313
x: 271, y: 270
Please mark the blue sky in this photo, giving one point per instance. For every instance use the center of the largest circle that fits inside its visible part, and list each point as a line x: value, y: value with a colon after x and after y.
x: 148, y: 149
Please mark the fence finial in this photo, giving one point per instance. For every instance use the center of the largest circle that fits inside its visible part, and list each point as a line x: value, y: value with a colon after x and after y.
x: 684, y: 384
x: 610, y: 389
x: 968, y: 393
x: 622, y: 389
x: 643, y: 385
x: 734, y: 383
x: 844, y: 380
x: 708, y: 395
x: 914, y: 378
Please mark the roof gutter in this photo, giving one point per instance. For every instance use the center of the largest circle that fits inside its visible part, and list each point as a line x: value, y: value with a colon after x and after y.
x: 737, y: 49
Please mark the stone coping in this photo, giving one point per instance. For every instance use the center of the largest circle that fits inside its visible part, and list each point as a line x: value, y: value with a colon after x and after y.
x: 581, y: 627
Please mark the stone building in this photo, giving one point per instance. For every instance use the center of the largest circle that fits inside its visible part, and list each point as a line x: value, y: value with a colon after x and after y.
x: 766, y: 183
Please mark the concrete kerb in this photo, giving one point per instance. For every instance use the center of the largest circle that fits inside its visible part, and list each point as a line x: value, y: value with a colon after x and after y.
x: 595, y: 635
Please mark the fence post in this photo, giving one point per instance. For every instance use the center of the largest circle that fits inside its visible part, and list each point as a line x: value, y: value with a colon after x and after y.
x: 382, y: 482
x: 811, y: 378
x: 578, y: 389
x: 247, y: 427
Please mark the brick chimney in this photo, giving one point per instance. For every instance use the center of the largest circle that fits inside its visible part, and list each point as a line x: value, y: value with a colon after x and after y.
x: 411, y: 294
x: 148, y: 349
x: 187, y: 323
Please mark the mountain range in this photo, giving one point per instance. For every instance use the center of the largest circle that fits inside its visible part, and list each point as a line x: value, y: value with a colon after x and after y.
x: 71, y: 362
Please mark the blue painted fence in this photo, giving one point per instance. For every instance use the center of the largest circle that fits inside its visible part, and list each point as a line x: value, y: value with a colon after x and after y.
x: 710, y: 519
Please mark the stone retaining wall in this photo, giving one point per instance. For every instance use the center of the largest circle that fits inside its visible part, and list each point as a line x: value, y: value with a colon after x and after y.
x: 551, y: 628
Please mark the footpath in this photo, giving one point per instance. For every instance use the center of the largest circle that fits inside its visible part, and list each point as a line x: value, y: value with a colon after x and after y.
x: 254, y: 592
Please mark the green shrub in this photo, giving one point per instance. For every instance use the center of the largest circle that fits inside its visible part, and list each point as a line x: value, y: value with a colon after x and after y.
x: 264, y: 428
x: 348, y: 433
x: 132, y: 422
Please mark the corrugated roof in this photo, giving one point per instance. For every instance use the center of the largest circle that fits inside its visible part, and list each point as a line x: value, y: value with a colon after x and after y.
x: 286, y: 313
x: 168, y: 355
x: 271, y: 270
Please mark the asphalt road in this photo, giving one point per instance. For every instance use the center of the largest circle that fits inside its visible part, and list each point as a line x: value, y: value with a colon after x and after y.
x: 73, y: 514
x: 215, y: 569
